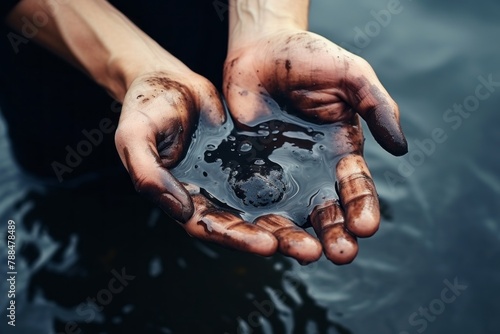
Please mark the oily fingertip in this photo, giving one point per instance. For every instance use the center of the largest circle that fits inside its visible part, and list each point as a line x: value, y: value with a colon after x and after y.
x: 341, y: 247
x: 177, y: 195
x: 363, y: 216
x: 360, y: 204
x: 265, y: 245
x: 300, y: 246
x: 387, y: 131
x: 292, y: 240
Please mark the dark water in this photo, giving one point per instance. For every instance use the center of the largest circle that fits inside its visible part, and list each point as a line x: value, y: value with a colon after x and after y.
x: 441, y: 227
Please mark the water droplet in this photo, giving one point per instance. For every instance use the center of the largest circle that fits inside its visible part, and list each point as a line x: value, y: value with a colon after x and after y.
x: 318, y: 136
x: 245, y: 147
x: 210, y: 147
x: 231, y: 138
x: 195, y: 166
x: 275, y: 132
x: 263, y: 132
x: 209, y: 154
x: 205, y: 174
x: 322, y: 147
x: 259, y: 162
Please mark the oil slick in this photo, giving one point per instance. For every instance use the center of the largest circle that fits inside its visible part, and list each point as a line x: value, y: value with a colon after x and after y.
x: 280, y: 166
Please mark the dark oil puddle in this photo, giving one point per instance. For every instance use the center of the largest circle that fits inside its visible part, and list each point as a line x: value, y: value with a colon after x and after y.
x: 282, y: 165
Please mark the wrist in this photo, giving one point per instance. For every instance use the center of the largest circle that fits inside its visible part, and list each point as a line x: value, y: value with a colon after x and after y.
x: 250, y: 20
x: 120, y: 51
x: 123, y: 70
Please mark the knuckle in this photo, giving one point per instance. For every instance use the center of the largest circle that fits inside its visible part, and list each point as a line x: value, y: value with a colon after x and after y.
x: 363, y: 64
x: 206, y: 84
x: 119, y: 137
x: 123, y: 131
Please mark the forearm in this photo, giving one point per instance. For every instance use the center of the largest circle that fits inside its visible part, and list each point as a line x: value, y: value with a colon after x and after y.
x: 250, y: 19
x: 96, y: 37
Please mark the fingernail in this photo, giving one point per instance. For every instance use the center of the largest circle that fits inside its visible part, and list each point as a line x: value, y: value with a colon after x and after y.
x: 399, y: 145
x: 387, y: 132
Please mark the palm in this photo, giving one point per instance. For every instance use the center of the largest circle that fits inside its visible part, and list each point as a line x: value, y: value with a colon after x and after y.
x: 158, y: 115
x: 312, y: 78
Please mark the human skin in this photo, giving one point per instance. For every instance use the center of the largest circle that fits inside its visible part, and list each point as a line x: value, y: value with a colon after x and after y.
x: 163, y: 100
x: 273, y: 62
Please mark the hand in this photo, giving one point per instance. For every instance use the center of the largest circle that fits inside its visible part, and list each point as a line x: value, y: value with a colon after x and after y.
x: 158, y: 116
x: 322, y: 83
x: 162, y: 100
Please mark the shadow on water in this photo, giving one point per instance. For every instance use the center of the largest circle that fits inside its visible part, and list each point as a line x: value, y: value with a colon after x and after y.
x: 116, y: 264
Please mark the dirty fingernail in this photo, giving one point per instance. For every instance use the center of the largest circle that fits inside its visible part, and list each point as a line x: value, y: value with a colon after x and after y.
x: 173, y: 207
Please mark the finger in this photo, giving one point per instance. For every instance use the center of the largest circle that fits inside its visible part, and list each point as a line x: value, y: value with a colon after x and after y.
x: 293, y: 241
x: 249, y: 102
x: 137, y: 146
x: 339, y: 245
x: 211, y: 223
x: 358, y: 196
x: 211, y: 108
x: 370, y: 99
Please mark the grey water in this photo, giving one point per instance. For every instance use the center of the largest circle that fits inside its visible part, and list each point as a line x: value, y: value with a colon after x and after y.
x: 433, y: 267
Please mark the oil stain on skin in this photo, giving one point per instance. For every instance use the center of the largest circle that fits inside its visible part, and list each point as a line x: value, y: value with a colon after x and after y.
x: 281, y: 166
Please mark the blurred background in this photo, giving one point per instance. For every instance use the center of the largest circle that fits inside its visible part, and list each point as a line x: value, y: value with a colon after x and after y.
x: 94, y: 257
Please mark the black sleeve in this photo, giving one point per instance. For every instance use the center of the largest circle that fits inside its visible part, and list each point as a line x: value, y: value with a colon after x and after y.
x: 5, y: 7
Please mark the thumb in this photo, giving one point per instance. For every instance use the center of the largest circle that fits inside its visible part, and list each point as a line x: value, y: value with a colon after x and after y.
x: 136, y: 143
x: 374, y: 104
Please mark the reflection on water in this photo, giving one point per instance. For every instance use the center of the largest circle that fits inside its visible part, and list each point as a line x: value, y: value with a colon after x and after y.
x: 72, y: 242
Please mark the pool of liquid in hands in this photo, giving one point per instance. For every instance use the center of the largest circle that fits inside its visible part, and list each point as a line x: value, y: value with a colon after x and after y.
x: 283, y: 165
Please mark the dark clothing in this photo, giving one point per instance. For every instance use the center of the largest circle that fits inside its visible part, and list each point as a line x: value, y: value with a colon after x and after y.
x: 48, y: 104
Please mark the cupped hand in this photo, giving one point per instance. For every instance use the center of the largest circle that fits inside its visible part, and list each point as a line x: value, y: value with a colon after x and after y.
x: 305, y: 74
x: 159, y: 113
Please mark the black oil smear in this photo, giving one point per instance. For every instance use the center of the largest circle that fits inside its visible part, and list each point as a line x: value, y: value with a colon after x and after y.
x: 278, y: 166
